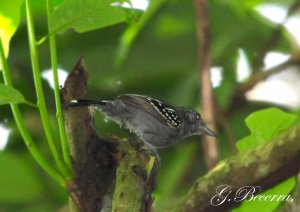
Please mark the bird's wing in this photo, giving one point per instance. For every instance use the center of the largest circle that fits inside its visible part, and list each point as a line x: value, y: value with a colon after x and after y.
x: 159, y: 110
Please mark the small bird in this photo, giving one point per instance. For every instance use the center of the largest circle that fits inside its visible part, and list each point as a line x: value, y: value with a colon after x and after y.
x: 156, y: 123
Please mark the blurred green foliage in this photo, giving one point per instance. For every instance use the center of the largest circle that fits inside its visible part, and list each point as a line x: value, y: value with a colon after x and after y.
x: 160, y: 60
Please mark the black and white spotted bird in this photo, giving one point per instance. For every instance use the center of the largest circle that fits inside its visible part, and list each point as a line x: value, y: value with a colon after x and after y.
x: 156, y: 123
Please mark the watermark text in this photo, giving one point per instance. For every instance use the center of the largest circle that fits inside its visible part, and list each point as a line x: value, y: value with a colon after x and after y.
x: 228, y: 193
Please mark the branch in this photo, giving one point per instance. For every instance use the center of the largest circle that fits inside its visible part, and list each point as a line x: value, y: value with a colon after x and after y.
x: 135, y: 180
x: 265, y: 166
x: 209, y: 143
x: 263, y: 75
x: 239, y: 96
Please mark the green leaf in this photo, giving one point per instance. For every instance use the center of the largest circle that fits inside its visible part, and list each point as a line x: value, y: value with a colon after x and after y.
x: 284, y: 188
x: 86, y: 15
x: 9, y: 21
x: 10, y: 95
x: 265, y: 125
x: 18, y: 182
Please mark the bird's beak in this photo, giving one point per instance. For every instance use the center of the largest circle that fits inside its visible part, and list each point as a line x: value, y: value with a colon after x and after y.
x: 205, y: 130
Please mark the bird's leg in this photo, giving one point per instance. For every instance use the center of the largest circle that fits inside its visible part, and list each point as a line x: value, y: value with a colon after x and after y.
x: 134, y: 141
x: 139, y: 145
x: 152, y: 150
x: 133, y: 138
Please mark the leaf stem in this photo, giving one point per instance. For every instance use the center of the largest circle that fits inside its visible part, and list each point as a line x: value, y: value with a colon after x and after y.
x: 23, y: 130
x: 39, y: 91
x: 30, y: 104
x: 59, y: 114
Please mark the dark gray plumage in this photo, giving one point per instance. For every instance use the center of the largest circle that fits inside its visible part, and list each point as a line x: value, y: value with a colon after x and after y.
x: 156, y: 123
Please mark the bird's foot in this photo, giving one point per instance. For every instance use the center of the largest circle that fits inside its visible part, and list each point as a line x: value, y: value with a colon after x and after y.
x: 151, y: 149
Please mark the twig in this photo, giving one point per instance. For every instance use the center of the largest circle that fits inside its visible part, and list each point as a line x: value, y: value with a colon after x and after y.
x: 209, y: 143
x: 239, y: 95
x: 274, y: 37
x: 263, y: 75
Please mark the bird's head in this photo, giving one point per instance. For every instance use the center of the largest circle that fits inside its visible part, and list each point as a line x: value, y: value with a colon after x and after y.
x: 193, y: 123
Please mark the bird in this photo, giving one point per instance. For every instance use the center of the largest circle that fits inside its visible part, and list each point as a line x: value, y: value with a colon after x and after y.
x: 156, y: 123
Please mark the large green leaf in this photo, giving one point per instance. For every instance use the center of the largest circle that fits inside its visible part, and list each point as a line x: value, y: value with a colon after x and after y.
x: 86, y: 15
x: 10, y: 95
x: 9, y: 21
x: 265, y: 125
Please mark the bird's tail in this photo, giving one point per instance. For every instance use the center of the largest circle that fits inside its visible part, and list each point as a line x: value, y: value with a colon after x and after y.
x: 86, y: 102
